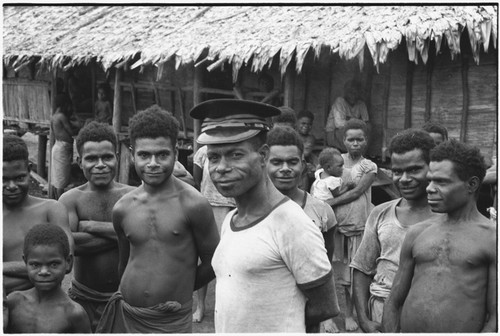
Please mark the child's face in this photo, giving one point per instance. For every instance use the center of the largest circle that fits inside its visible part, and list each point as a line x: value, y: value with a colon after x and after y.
x: 46, y: 266
x: 304, y: 125
x: 336, y: 166
x: 101, y: 95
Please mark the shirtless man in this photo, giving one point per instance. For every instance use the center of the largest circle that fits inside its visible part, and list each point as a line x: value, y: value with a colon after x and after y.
x: 163, y: 226
x: 273, y: 273
x: 447, y: 277
x: 377, y: 259
x: 62, y: 150
x: 89, y: 208
x: 21, y: 212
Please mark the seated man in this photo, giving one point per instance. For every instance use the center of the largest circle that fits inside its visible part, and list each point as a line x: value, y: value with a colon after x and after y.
x: 21, y: 212
x: 89, y: 208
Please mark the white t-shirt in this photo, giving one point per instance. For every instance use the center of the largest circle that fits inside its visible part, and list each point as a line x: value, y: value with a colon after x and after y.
x: 321, y: 213
x: 322, y: 187
x: 260, y: 267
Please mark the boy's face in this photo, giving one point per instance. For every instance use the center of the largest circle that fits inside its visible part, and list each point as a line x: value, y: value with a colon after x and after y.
x: 16, y: 181
x: 446, y: 192
x: 98, y: 162
x: 355, y: 141
x: 236, y: 168
x: 409, y: 174
x: 304, y: 125
x: 336, y: 166
x: 47, y: 266
x: 285, y: 167
x: 101, y: 95
x: 154, y: 159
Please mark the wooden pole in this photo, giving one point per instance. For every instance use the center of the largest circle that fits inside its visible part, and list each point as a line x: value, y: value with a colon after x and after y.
x: 385, y: 110
x: 94, y: 85
x: 117, y: 123
x: 42, y: 155
x: 289, y: 86
x: 124, y: 172
x: 465, y: 97
x: 408, y: 97
x: 53, y: 94
x: 428, y: 84
x: 197, y: 98
x: 328, y: 100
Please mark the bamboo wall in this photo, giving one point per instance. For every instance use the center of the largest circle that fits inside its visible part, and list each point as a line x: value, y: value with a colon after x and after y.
x: 26, y: 100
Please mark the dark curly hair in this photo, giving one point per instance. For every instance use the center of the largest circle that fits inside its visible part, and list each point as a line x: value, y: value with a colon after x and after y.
x: 152, y: 123
x: 355, y: 124
x: 432, y: 127
x: 411, y: 139
x: 97, y: 132
x: 14, y: 148
x: 467, y: 160
x: 327, y: 155
x: 46, y: 235
x: 285, y: 136
x: 305, y: 114
x: 287, y: 116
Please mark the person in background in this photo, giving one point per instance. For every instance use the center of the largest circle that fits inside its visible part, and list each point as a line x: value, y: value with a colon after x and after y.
x: 102, y: 109
x: 272, y: 269
x: 46, y: 309
x: 350, y: 106
x: 438, y: 132
x: 377, y: 259
x: 287, y: 117
x: 305, y: 120
x: 447, y: 276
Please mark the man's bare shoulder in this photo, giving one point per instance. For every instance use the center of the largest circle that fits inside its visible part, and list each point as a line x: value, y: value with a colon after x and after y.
x: 128, y: 197
x: 46, y: 203
x: 189, y: 195
x: 72, y: 195
x: 121, y: 188
x: 415, y: 230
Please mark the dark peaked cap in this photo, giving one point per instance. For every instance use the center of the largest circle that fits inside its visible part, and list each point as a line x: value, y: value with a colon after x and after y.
x: 231, y: 120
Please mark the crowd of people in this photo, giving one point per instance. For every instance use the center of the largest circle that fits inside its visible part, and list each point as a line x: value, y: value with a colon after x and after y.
x: 263, y: 216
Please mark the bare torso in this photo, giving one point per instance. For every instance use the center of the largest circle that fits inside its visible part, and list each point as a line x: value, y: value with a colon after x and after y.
x: 59, y: 124
x: 163, y: 257
x: 98, y: 271
x: 448, y: 292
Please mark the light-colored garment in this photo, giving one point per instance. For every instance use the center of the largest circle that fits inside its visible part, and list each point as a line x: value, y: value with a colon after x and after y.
x: 207, y: 187
x: 260, y: 269
x: 170, y: 317
x: 322, y: 187
x: 340, y: 112
x: 321, y: 213
x: 61, y: 159
x: 376, y: 308
x: 91, y: 300
x: 379, y: 252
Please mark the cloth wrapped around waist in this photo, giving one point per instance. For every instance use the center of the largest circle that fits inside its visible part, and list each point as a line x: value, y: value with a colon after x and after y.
x: 62, y: 156
x: 168, y: 317
x: 82, y: 292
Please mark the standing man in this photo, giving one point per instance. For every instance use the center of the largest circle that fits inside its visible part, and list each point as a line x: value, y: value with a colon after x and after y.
x: 163, y: 227
x: 447, y: 277
x: 89, y: 208
x: 273, y: 273
x: 21, y: 212
x: 377, y: 259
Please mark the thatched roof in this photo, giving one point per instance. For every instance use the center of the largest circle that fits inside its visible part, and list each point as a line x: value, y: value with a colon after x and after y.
x: 68, y: 35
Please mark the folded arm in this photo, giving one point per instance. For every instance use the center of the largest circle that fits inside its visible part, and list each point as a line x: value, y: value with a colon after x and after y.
x: 353, y: 194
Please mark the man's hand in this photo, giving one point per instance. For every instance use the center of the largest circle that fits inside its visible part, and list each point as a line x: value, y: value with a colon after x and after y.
x: 369, y: 326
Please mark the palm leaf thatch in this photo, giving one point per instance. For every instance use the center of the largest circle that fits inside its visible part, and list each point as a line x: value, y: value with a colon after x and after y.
x: 241, y: 35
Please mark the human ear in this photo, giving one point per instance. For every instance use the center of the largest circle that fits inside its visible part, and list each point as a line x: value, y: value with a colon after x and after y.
x: 264, y: 152
x: 473, y: 184
x: 69, y: 263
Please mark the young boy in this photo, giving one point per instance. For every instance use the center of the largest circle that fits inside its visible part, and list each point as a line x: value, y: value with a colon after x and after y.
x: 328, y: 181
x: 304, y: 125
x: 46, y: 308
x: 103, y: 111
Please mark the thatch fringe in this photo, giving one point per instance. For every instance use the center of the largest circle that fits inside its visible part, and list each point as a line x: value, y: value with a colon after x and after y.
x: 64, y: 36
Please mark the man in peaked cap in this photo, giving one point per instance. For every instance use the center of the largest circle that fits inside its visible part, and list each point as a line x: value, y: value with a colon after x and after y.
x: 273, y: 273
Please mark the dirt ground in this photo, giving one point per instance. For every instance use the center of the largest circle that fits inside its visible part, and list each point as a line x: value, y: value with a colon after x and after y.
x: 207, y: 324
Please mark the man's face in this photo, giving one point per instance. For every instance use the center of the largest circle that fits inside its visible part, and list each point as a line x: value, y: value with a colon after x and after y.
x: 154, y: 159
x: 438, y: 137
x: 46, y: 267
x: 16, y: 181
x: 235, y: 168
x: 409, y: 174
x: 284, y: 167
x: 304, y: 126
x: 355, y: 141
x: 446, y: 192
x: 98, y: 162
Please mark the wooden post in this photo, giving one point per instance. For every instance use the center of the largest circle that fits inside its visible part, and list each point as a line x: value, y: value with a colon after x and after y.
x: 289, y: 85
x: 409, y: 88
x: 197, y: 85
x: 117, y: 106
x: 465, y: 97
x: 53, y: 94
x: 428, y: 84
x: 42, y: 155
x: 94, y: 85
x: 124, y: 172
x: 385, y: 110
x: 328, y: 100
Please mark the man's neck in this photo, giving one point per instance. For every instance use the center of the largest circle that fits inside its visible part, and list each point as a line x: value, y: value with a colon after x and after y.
x: 18, y: 206
x: 295, y: 194
x: 104, y: 188
x: 165, y: 186
x: 259, y: 200
x: 416, y: 204
x: 465, y: 214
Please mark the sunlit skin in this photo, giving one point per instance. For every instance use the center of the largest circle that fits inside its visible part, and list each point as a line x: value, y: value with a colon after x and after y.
x: 16, y: 180
x: 98, y: 163
x: 446, y: 280
x: 154, y: 160
x: 409, y: 173
x: 355, y: 142
x: 285, y: 167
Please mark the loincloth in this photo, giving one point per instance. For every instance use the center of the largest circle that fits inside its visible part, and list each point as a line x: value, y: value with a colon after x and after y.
x: 168, y: 317
x: 61, y: 159
x: 91, y: 300
x: 376, y: 308
x: 345, y: 248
